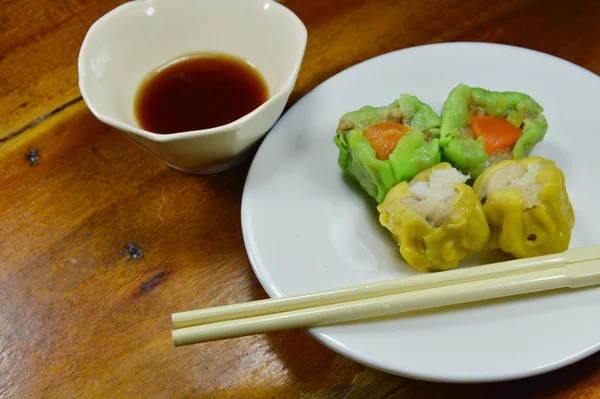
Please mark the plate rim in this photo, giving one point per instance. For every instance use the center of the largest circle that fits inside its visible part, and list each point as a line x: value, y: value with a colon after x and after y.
x: 330, y: 342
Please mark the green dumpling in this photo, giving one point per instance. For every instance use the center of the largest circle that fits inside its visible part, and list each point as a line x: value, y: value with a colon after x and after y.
x: 369, y: 149
x: 470, y: 150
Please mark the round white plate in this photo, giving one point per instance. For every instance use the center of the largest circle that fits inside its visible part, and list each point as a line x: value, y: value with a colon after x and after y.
x: 307, y: 228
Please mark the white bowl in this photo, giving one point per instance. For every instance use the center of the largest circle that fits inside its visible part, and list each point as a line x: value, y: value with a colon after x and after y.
x: 132, y: 40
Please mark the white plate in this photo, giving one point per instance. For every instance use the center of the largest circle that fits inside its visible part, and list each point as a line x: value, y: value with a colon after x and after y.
x: 306, y: 228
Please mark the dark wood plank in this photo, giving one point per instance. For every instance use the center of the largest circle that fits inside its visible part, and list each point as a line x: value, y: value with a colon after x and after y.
x: 80, y: 318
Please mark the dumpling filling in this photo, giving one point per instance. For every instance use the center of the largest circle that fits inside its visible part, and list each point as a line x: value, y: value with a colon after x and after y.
x: 384, y: 137
x: 497, y: 132
x: 433, y: 200
x: 517, y: 177
x: 500, y: 133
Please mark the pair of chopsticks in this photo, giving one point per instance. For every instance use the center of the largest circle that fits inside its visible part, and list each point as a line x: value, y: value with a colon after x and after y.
x: 574, y: 268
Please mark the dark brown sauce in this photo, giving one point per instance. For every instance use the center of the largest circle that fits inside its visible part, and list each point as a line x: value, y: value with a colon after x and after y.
x: 198, y: 92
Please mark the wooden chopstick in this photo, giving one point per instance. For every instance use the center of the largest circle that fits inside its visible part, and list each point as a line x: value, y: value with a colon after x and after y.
x: 571, y: 275
x: 371, y: 290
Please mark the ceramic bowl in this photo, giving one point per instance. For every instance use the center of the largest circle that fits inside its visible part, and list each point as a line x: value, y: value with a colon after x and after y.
x: 125, y: 45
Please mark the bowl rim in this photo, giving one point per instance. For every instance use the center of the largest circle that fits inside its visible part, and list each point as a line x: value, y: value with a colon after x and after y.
x: 284, y: 90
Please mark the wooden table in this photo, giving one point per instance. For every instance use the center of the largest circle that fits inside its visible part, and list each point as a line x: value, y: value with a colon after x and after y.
x: 81, y: 318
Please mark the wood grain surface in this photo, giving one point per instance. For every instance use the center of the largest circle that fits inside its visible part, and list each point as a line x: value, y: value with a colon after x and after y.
x: 80, y: 317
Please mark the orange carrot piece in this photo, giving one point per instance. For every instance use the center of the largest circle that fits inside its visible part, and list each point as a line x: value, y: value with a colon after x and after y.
x: 384, y: 137
x: 497, y: 132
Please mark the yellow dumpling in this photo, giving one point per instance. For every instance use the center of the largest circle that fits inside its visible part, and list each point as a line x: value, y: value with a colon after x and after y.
x: 527, y: 206
x: 436, y: 219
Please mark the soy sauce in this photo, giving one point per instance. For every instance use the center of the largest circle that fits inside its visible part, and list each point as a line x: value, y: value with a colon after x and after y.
x: 198, y: 92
